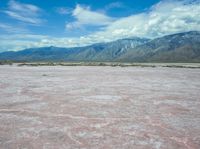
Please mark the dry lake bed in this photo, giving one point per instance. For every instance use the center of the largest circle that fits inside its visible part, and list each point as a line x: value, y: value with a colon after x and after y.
x: 91, y: 107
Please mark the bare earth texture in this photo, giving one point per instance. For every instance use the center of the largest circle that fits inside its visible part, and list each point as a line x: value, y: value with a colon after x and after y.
x: 99, y: 107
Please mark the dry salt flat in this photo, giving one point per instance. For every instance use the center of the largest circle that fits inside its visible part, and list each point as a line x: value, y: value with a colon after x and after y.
x: 95, y: 107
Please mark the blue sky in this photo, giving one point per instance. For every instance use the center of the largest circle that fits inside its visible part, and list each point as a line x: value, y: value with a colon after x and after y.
x: 68, y: 23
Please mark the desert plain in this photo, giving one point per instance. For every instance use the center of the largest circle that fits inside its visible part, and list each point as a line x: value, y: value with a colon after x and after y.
x: 94, y: 107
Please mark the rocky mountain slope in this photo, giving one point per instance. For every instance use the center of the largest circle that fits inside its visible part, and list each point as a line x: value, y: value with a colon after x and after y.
x: 180, y: 47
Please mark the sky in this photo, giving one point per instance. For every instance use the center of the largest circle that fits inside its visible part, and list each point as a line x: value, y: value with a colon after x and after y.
x: 71, y: 23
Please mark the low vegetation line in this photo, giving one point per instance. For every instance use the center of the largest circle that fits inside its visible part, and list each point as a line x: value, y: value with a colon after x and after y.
x: 112, y: 64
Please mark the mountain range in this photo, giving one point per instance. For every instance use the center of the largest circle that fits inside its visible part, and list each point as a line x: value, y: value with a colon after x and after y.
x: 180, y: 47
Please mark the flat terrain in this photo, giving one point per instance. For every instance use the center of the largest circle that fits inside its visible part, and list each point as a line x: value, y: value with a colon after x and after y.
x: 91, y: 107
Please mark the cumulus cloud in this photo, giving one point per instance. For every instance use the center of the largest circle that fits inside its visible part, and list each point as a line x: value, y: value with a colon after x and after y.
x: 24, y: 12
x: 85, y: 16
x: 164, y: 18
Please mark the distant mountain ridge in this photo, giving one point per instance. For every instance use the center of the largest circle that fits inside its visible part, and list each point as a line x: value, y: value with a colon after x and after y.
x: 180, y: 47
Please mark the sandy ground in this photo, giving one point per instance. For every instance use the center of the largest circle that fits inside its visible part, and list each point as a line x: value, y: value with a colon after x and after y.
x: 99, y: 108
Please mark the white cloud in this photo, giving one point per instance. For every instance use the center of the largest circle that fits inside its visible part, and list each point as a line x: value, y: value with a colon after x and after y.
x: 85, y: 16
x: 12, y: 29
x: 24, y: 12
x: 116, y: 4
x: 17, y: 42
x: 164, y: 18
x: 64, y: 10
